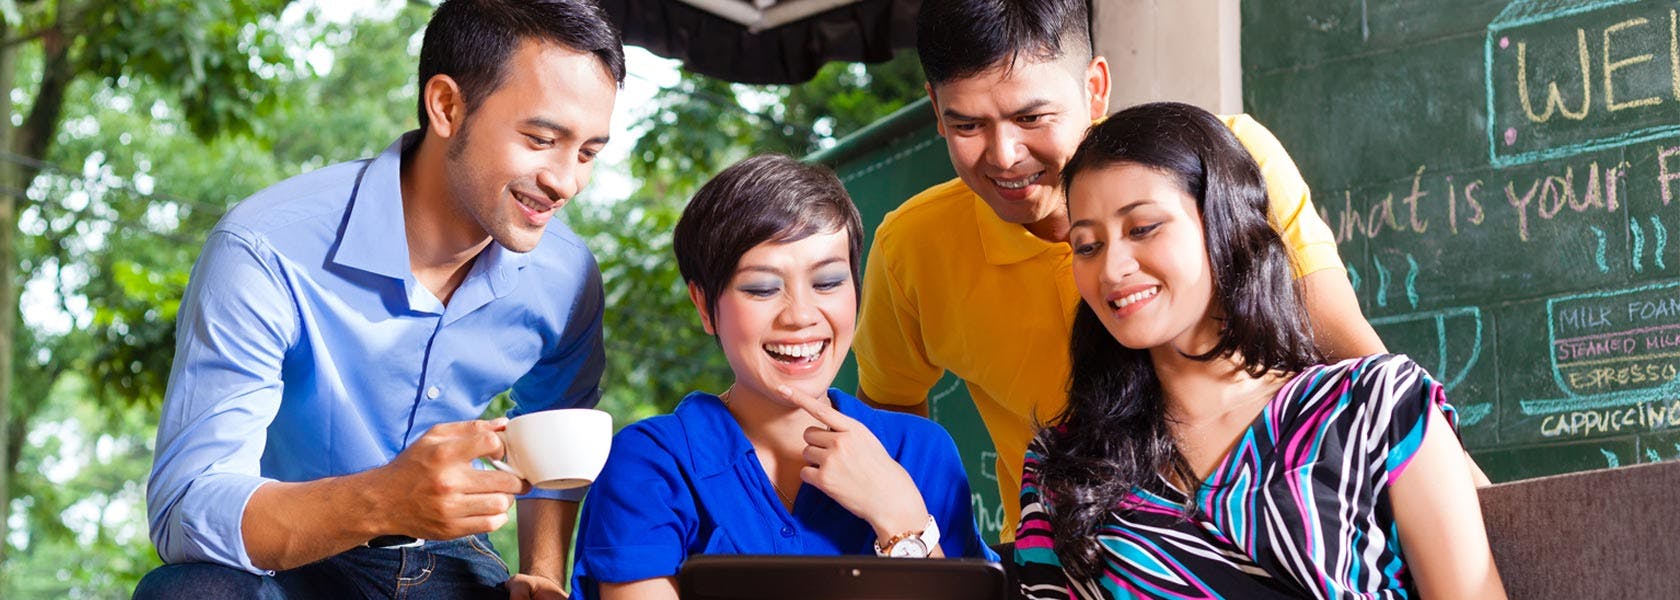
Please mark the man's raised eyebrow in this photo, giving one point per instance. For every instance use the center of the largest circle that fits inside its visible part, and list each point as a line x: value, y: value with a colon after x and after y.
x: 562, y: 131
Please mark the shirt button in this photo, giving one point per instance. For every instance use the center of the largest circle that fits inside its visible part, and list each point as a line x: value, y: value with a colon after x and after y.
x: 433, y: 392
x: 787, y: 531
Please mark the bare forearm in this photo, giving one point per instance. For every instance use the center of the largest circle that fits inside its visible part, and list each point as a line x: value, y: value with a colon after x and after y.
x: 545, y: 534
x: 428, y: 491
x: 287, y: 525
x: 663, y: 588
x: 1337, y: 322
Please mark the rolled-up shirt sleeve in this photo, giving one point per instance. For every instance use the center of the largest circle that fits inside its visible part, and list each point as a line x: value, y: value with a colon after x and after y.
x: 236, y: 321
x: 573, y: 368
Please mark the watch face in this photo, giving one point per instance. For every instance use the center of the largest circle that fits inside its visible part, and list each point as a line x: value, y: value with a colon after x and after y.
x: 910, y: 547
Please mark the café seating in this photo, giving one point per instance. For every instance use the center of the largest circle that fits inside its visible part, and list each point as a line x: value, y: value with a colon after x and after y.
x: 1610, y: 533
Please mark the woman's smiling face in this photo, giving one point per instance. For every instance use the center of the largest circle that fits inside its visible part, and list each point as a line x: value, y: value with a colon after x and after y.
x: 787, y: 315
x: 1140, y: 258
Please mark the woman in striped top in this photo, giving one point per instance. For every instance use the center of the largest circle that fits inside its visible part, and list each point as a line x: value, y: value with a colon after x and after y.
x: 1205, y: 452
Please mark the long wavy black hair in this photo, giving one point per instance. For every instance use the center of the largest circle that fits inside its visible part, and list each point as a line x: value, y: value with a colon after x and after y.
x: 1114, y: 434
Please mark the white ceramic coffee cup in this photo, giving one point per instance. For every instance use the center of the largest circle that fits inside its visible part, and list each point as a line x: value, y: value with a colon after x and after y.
x: 557, y: 449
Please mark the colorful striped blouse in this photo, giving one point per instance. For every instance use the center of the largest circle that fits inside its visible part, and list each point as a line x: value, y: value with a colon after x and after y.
x: 1300, y: 508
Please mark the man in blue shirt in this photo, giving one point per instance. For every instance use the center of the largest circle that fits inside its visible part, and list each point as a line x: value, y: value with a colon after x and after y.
x: 343, y: 330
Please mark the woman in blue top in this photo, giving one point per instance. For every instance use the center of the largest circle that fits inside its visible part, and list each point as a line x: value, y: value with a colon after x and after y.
x: 770, y: 250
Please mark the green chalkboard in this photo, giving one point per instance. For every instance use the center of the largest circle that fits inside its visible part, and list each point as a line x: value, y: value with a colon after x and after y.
x: 1499, y: 174
x: 882, y: 167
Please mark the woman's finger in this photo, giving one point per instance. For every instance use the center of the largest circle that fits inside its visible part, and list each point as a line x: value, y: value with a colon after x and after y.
x: 819, y: 408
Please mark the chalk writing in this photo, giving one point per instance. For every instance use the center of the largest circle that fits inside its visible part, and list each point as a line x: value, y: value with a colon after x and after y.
x: 988, y: 518
x: 953, y: 385
x: 1661, y: 234
x: 1601, y: 250
x: 1411, y: 281
x: 1554, y: 99
x: 1639, y: 418
x: 1583, y: 78
x: 1382, y: 284
x: 1634, y: 344
x: 1569, y: 189
x: 1441, y: 324
x: 1612, y: 349
x: 1471, y: 414
x: 1412, y: 271
x: 1638, y: 236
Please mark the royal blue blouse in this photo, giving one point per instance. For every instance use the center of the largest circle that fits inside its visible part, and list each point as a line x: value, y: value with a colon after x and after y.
x: 690, y: 483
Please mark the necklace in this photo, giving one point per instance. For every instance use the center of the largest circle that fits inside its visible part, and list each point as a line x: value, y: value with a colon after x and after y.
x: 786, y: 500
x: 781, y: 494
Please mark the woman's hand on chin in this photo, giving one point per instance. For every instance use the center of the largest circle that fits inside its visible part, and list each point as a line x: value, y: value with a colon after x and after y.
x: 846, y: 461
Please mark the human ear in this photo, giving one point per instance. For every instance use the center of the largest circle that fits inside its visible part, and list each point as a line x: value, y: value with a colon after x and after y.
x: 445, y: 107
x: 1097, y: 85
x: 699, y: 300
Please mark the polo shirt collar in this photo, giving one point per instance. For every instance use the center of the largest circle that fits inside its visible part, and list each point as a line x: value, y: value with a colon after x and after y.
x: 375, y: 238
x: 716, y: 441
x: 1005, y: 243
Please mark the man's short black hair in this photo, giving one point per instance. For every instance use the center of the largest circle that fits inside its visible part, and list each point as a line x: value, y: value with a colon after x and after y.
x: 766, y: 198
x: 957, y: 39
x: 472, y: 41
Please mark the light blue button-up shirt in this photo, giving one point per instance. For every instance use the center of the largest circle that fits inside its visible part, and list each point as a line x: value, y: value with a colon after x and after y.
x: 305, y: 349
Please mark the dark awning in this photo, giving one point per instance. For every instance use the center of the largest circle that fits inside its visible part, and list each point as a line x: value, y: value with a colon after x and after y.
x: 766, y: 41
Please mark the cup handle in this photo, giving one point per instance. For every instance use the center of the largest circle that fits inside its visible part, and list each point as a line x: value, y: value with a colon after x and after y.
x: 503, y: 466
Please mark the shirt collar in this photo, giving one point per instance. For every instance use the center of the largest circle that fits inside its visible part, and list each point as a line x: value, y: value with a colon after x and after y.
x: 1005, y: 243
x: 716, y: 441
x: 375, y: 238
x: 376, y: 217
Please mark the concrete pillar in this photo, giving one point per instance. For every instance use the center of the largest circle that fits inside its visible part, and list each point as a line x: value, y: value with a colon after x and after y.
x: 1182, y: 50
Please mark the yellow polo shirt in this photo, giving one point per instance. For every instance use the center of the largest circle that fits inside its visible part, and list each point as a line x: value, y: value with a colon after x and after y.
x: 951, y: 287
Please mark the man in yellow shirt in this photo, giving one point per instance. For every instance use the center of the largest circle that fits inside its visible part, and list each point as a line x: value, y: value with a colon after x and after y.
x: 974, y: 276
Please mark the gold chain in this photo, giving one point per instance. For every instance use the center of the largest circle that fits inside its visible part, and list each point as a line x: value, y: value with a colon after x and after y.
x: 780, y: 494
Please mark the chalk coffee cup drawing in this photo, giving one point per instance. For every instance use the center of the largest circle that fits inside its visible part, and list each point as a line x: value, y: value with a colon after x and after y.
x: 557, y: 449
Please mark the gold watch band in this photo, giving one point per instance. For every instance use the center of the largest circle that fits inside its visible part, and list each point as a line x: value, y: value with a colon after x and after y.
x: 881, y: 549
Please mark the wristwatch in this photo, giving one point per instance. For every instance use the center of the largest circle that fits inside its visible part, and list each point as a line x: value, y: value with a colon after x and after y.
x: 911, y: 544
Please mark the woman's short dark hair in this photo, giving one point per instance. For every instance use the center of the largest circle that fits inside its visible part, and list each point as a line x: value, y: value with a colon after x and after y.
x: 1114, y: 434
x: 472, y: 41
x: 765, y: 198
x: 956, y: 39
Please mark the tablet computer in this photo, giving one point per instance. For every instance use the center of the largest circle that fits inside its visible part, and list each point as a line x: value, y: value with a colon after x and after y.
x: 780, y: 577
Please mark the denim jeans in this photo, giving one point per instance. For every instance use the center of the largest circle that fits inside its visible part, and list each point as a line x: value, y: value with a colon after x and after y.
x: 460, y: 568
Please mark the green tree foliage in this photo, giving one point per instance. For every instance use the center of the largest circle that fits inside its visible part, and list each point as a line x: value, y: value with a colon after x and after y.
x: 164, y: 112
x: 111, y: 223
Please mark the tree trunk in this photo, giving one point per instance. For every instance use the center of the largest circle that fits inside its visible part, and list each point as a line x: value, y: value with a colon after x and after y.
x: 12, y: 182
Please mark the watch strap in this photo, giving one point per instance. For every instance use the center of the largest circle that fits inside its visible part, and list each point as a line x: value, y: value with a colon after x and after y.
x: 928, y: 536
